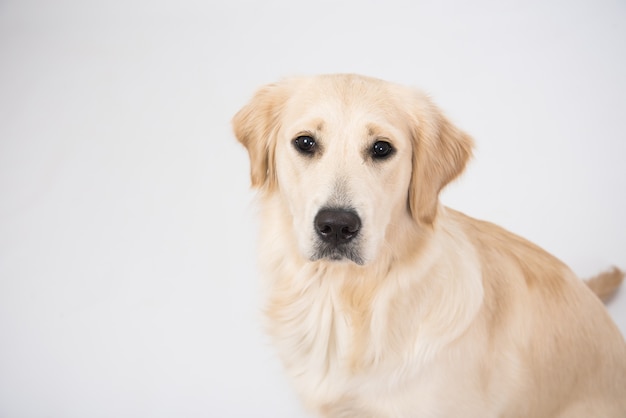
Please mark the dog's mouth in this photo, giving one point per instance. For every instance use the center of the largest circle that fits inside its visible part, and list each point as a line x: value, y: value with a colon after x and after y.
x: 337, y: 253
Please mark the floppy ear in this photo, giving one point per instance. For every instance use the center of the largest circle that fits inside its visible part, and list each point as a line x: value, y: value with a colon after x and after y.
x: 440, y: 152
x: 255, y: 126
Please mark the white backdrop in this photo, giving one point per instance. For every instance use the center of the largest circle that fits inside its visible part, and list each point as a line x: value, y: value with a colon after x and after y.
x: 127, y: 236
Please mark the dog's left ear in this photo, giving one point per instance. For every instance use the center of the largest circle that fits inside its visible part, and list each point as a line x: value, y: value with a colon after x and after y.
x: 440, y: 153
x: 256, y: 126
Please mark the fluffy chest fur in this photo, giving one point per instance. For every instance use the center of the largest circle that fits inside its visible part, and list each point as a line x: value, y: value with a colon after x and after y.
x: 357, y: 338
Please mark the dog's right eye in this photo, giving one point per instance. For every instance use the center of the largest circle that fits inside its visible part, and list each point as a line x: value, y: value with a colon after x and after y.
x: 305, y: 144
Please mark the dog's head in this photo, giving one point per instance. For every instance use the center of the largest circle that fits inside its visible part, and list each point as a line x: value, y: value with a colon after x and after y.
x: 353, y: 158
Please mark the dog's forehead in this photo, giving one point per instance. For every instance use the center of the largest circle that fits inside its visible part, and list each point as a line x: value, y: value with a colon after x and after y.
x: 320, y: 105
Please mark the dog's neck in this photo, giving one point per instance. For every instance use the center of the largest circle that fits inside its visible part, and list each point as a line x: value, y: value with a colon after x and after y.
x: 313, y: 306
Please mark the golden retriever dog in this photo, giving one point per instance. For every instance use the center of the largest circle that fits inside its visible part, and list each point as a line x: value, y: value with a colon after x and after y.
x: 381, y: 302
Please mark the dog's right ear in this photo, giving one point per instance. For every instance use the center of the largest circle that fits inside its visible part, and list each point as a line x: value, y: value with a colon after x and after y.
x: 256, y: 126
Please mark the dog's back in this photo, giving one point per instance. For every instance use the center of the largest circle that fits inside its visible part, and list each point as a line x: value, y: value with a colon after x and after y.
x: 571, y: 356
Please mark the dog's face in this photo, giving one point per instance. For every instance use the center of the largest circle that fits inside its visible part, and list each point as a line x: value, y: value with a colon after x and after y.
x: 343, y: 164
x: 353, y: 158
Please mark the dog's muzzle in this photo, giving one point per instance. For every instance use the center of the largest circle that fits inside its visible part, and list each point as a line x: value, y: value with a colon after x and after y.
x: 337, y: 230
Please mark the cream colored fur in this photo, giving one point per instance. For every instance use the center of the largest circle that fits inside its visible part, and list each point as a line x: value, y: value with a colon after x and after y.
x: 440, y: 315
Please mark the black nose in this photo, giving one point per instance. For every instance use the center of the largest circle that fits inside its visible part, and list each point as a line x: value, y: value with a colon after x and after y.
x: 337, y: 226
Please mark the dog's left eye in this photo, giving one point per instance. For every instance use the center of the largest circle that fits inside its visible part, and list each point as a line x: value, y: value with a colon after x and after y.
x: 305, y: 144
x: 381, y: 149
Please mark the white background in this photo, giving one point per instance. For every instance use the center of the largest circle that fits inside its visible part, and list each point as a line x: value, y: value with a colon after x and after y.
x: 127, y: 234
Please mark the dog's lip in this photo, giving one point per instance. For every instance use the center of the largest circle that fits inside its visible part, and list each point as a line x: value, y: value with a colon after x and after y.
x: 338, y: 255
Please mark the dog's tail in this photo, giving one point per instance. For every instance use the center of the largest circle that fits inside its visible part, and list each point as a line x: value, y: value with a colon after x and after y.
x: 606, y: 283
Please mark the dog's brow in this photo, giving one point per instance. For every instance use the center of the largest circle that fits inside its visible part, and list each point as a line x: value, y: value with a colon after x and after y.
x: 373, y: 130
x: 312, y: 126
x: 317, y: 124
